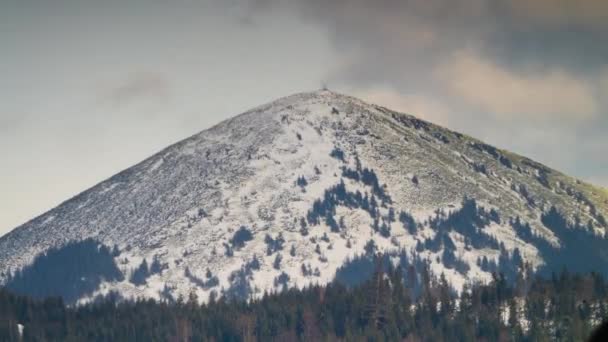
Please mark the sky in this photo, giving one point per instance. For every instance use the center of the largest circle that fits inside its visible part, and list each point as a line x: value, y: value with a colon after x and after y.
x: 89, y: 88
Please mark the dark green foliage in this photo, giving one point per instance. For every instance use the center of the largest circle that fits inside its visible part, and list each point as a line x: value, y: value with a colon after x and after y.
x: 210, y: 282
x: 302, y: 182
x: 303, y: 227
x: 369, y: 178
x: 254, y: 264
x: 415, y: 180
x: 410, y: 121
x: 385, y: 230
x: 360, y: 269
x: 277, y: 262
x: 481, y: 168
x: 523, y: 191
x: 274, y: 244
x: 354, y: 272
x: 451, y: 261
x: 156, y: 267
x: 602, y: 220
x: 580, y: 248
x: 240, y: 280
x: 370, y: 247
x: 325, y: 238
x: 337, y: 153
x: 469, y: 221
x: 240, y: 285
x: 505, y: 161
x: 240, y: 237
x: 228, y: 250
x: 336, y: 196
x: 382, y: 308
x: 318, y: 249
x: 282, y: 280
x: 140, y: 274
x: 441, y: 137
x: 330, y: 221
x: 408, y: 222
x: 70, y: 272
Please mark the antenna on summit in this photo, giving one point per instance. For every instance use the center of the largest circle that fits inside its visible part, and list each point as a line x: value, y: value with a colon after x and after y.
x: 324, y: 86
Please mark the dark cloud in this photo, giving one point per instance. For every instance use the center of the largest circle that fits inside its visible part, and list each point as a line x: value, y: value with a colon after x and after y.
x: 560, y: 32
x: 555, y: 13
x: 536, y: 69
x: 403, y: 43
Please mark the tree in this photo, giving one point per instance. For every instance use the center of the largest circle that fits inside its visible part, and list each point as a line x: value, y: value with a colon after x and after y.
x: 241, y: 237
x: 277, y: 262
x: 70, y: 271
x: 140, y: 274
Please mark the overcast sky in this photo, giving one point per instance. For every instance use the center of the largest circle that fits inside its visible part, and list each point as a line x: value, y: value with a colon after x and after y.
x: 89, y: 88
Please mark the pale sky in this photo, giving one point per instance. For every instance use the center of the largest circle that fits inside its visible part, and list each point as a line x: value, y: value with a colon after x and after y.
x: 90, y: 88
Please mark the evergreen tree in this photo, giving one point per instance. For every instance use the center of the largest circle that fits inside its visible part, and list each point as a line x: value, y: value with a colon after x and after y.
x: 140, y: 274
x: 564, y: 307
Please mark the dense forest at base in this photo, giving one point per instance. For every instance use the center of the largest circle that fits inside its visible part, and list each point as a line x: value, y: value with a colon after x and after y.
x: 564, y: 307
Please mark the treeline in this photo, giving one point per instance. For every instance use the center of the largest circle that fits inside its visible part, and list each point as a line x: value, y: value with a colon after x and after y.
x: 564, y: 307
x: 70, y: 272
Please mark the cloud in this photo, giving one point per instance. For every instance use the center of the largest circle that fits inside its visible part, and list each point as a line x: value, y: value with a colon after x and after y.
x: 551, y: 31
x: 591, y: 13
x: 525, y: 75
x: 136, y: 87
x: 603, y: 80
x: 419, y: 105
x: 402, y: 44
x: 548, y: 94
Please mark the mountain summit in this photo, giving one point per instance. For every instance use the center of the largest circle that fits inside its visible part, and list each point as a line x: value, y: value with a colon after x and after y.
x: 304, y: 190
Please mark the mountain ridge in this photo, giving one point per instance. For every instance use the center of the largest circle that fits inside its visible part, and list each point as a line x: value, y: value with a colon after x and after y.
x: 316, y: 163
x: 602, y: 192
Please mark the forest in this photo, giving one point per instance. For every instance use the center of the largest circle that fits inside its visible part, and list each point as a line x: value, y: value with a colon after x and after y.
x: 562, y: 307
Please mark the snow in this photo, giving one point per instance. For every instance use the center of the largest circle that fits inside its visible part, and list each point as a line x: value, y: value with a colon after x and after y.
x: 188, y: 200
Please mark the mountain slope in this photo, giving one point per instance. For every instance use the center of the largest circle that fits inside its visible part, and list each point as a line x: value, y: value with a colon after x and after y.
x: 286, y: 193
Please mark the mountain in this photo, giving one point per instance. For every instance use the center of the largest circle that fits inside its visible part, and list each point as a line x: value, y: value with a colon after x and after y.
x: 304, y: 190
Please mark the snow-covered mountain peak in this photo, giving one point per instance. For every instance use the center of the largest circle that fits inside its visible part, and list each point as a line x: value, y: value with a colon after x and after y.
x: 289, y: 192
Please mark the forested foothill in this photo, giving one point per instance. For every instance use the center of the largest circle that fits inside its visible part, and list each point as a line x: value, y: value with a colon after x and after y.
x: 386, y: 307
